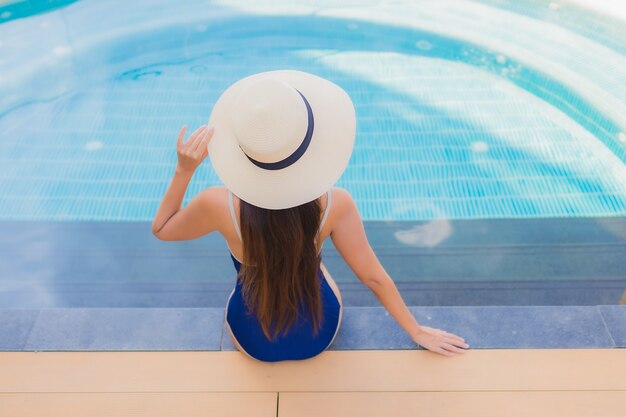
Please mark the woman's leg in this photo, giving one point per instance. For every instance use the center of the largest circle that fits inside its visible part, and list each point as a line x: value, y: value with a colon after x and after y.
x: 232, y: 336
x: 237, y: 345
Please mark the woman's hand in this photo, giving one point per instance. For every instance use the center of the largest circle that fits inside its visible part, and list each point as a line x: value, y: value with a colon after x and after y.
x: 440, y: 341
x: 192, y: 153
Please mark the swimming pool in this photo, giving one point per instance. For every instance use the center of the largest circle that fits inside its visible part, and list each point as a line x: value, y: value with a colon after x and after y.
x: 489, y: 109
x: 489, y: 164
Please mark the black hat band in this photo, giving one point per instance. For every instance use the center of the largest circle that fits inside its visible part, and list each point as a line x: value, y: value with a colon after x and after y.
x: 284, y: 163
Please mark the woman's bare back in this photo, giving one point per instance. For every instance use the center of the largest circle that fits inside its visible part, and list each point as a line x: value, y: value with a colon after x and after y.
x: 234, y: 243
x: 236, y: 247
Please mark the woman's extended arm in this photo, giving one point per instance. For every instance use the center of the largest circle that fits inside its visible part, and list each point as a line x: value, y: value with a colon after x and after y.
x: 349, y: 238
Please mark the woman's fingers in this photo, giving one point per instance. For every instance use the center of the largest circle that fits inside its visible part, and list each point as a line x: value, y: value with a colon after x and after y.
x: 200, y: 139
x: 453, y: 336
x: 192, y: 139
x: 450, y: 345
x: 195, y: 138
x: 204, y: 145
x: 204, y: 139
x: 456, y: 341
x: 452, y: 348
x: 181, y: 136
x: 444, y: 352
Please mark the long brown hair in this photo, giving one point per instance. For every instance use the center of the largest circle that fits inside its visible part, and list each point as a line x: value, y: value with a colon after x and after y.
x: 280, y: 264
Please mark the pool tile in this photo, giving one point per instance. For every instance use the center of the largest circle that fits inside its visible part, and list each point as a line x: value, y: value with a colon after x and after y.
x: 361, y: 328
x: 370, y: 328
x: 531, y: 327
x: 15, y: 326
x: 226, y: 344
x: 127, y: 329
x: 615, y: 318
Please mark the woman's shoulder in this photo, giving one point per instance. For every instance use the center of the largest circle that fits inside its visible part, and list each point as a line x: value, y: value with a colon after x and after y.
x: 216, y: 196
x: 341, y: 203
x: 340, y: 192
x: 341, y: 197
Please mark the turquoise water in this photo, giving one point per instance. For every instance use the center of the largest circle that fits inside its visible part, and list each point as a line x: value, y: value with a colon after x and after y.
x: 464, y: 110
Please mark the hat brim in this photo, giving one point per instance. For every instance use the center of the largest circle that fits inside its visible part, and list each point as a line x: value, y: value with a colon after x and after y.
x: 310, y: 176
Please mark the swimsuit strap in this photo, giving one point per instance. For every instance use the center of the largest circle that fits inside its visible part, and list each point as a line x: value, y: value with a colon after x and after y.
x: 326, y: 210
x: 231, y: 206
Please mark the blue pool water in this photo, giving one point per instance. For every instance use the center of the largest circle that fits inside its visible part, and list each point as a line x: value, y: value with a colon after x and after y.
x: 478, y: 109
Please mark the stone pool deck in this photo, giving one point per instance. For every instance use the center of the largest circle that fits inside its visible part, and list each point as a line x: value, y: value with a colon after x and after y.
x: 523, y: 362
x: 203, y: 329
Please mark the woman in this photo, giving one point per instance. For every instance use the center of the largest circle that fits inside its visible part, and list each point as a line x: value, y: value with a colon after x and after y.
x: 279, y: 140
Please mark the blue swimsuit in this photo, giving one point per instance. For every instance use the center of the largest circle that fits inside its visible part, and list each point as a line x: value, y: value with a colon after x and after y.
x: 299, y: 343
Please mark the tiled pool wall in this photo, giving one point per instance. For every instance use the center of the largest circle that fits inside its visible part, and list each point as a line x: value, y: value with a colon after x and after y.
x: 433, y: 263
x: 99, y: 286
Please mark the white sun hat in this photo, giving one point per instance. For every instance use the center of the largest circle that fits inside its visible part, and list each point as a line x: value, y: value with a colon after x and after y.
x: 282, y: 138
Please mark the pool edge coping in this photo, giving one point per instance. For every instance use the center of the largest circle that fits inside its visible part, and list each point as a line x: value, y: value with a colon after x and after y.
x: 362, y: 328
